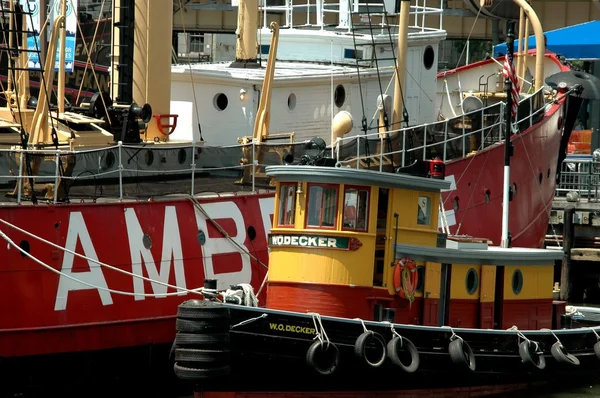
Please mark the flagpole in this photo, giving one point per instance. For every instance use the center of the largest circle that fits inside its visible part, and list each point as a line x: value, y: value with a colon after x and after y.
x: 510, y: 43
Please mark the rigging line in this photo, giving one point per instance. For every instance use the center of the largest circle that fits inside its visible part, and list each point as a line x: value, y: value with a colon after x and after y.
x: 185, y: 39
x: 89, y: 55
x: 374, y: 49
x: 544, y: 203
x: 362, y: 100
x: 90, y: 259
x: 491, y: 129
x: 388, y: 138
x: 89, y: 58
x: 468, y: 37
x: 106, y: 289
x: 4, y: 90
x: 23, y: 133
x: 472, y: 192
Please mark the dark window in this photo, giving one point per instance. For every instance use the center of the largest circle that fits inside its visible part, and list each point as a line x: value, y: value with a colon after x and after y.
x: 287, y: 204
x: 322, y: 206
x: 356, y: 208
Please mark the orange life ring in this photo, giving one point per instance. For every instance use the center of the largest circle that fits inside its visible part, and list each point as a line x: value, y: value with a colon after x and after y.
x: 406, y: 278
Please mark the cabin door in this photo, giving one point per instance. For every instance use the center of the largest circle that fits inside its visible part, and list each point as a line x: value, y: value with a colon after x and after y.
x: 382, y: 250
x: 444, y: 308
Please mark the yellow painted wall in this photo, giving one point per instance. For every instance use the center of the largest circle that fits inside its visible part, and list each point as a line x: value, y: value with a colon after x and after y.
x: 487, y: 283
x: 317, y: 265
x: 405, y: 203
x: 332, y: 266
x: 458, y: 284
x: 433, y: 280
x: 537, y: 282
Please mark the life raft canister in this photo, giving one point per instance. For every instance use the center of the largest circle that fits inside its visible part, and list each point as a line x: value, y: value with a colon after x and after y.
x: 406, y: 278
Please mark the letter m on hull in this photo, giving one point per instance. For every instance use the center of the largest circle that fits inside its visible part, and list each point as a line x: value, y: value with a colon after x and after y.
x: 142, y: 256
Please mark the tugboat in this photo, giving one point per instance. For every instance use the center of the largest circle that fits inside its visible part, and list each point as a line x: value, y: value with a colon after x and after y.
x: 365, y: 296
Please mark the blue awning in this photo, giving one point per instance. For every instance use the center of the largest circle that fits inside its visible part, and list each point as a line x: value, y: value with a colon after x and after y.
x: 573, y: 42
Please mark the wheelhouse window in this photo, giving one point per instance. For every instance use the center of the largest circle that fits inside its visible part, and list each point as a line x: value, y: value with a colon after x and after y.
x: 356, y: 205
x: 287, y: 205
x: 424, y: 210
x: 322, y: 206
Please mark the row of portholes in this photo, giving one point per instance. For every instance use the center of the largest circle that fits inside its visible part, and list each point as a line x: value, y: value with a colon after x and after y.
x: 220, y: 100
x: 472, y: 281
x: 110, y: 159
x: 487, y: 196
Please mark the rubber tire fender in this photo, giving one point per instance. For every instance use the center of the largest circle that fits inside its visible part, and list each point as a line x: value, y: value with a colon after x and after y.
x: 462, y: 354
x: 317, y: 348
x: 202, y: 309
x: 202, y: 340
x: 193, y: 355
x: 597, y: 349
x: 202, y: 326
x: 560, y: 353
x: 360, y: 348
x: 186, y: 373
x: 392, y: 352
x: 525, y: 353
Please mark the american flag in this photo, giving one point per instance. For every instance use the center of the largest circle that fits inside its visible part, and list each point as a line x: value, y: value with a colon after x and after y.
x: 509, y: 72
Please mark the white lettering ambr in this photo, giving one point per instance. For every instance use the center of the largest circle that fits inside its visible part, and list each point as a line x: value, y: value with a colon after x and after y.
x: 171, y: 254
x: 77, y: 230
x: 221, y: 245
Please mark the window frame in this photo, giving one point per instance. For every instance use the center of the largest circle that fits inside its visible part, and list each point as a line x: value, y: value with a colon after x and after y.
x: 336, y: 187
x: 279, y: 208
x: 358, y: 188
x: 429, y: 208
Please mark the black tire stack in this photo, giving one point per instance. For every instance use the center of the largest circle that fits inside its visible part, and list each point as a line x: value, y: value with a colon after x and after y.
x: 202, y: 340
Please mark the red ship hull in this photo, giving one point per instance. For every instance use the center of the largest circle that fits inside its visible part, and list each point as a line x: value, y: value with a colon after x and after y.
x: 479, y: 182
x: 39, y: 306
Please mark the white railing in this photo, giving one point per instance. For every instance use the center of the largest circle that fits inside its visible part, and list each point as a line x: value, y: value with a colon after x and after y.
x: 344, y: 8
x: 123, y: 155
x: 580, y: 174
x: 442, y: 127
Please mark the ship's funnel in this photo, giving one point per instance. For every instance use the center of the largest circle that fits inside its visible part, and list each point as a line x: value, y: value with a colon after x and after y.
x: 342, y: 124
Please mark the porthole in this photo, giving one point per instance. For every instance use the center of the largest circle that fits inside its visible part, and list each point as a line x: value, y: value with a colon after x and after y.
x: 181, y: 156
x: 251, y: 232
x: 339, y: 96
x: 428, y: 57
x: 455, y: 204
x: 201, y: 237
x: 147, y: 241
x: 292, y: 101
x: 471, y: 281
x: 540, y: 178
x: 487, y: 196
x: 109, y: 161
x: 149, y: 158
x: 24, y: 245
x: 517, y: 282
x: 421, y: 279
x: 220, y: 101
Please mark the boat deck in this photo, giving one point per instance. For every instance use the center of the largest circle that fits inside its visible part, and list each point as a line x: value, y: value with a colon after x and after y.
x: 205, y: 187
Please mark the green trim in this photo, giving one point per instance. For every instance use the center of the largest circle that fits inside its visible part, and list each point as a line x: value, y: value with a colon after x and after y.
x: 314, y: 241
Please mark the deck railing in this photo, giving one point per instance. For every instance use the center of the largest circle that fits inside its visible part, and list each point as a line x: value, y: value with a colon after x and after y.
x: 316, y: 11
x: 580, y: 174
x: 120, y: 170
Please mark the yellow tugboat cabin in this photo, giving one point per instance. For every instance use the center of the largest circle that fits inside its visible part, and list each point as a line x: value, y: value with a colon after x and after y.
x: 349, y: 243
